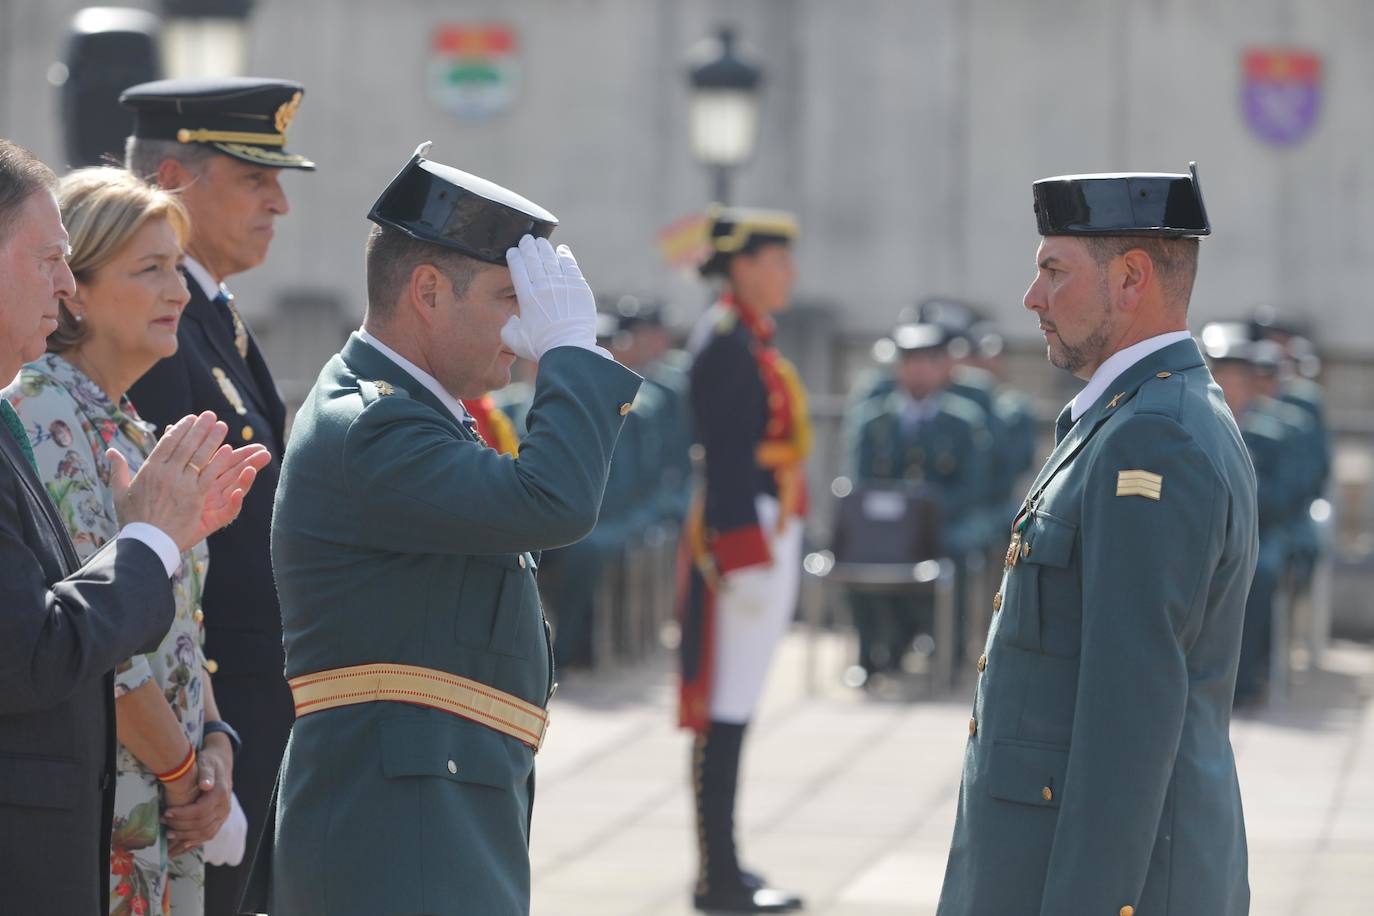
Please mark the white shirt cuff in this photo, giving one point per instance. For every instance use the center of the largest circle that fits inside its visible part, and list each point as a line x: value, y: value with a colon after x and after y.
x: 157, y: 539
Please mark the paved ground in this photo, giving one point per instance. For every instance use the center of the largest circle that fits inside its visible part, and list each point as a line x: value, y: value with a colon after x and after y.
x: 850, y: 800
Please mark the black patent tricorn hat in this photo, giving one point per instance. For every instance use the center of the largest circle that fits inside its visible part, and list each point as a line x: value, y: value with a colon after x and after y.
x: 1137, y: 204
x: 437, y: 203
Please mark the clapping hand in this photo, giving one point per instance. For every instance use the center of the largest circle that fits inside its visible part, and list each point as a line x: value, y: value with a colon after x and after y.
x: 191, y: 485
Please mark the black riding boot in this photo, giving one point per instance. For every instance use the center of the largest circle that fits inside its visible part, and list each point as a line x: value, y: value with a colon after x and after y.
x: 721, y: 885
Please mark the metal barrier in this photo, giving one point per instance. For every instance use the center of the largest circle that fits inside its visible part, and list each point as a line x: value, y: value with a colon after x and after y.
x: 635, y: 600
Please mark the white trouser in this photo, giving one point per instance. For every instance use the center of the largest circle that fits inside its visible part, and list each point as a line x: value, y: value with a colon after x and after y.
x: 753, y: 610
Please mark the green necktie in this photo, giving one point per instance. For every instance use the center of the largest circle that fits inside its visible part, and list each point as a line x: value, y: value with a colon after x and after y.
x: 17, y: 428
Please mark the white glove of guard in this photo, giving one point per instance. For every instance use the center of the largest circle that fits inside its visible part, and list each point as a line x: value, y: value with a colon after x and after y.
x: 557, y: 308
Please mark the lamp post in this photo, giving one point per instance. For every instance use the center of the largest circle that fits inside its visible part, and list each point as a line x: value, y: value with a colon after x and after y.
x: 205, y: 37
x: 723, y: 108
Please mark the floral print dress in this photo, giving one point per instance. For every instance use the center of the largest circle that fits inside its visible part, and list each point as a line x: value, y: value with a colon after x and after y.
x: 70, y: 423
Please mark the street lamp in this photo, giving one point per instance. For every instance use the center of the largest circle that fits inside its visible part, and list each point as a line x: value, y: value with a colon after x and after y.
x: 205, y: 37
x: 723, y: 108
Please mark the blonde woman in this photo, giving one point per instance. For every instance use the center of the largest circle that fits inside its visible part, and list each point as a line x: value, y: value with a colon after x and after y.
x: 173, y: 788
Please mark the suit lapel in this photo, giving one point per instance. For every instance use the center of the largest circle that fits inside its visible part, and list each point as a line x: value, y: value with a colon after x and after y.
x: 38, y: 494
x: 370, y: 364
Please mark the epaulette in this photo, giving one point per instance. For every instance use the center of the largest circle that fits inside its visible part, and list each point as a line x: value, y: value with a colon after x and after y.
x: 1162, y: 395
x: 372, y: 390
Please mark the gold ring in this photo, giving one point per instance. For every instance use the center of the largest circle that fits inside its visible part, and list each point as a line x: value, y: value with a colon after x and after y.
x: 193, y: 466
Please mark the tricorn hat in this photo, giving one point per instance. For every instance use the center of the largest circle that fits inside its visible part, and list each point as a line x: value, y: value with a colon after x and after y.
x: 1122, y: 203
x: 734, y: 229
x: 437, y: 203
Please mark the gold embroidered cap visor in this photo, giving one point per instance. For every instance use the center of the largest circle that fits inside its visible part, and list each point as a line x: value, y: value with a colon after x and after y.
x: 243, y: 117
x: 437, y: 203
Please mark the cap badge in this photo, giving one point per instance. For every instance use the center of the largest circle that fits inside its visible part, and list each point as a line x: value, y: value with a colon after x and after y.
x: 287, y: 113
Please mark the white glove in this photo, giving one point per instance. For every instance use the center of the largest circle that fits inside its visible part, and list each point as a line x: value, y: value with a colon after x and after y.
x: 227, y: 846
x: 557, y: 308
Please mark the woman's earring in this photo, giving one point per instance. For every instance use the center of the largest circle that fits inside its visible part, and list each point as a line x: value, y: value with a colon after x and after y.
x: 78, y: 317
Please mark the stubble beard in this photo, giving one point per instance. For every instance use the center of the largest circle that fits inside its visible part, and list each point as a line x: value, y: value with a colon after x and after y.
x: 1074, y: 357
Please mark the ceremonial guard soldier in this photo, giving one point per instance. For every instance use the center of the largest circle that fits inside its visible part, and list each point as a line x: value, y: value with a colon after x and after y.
x: 1099, y: 776
x: 743, y: 533
x: 222, y: 144
x: 405, y: 551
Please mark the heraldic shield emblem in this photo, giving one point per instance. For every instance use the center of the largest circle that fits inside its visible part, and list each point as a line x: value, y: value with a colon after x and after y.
x: 1282, y: 93
x: 473, y: 69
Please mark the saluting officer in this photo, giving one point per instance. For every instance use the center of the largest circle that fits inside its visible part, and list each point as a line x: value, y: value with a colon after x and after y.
x: 1099, y: 776
x: 222, y: 144
x: 923, y: 432
x: 743, y: 533
x: 405, y: 552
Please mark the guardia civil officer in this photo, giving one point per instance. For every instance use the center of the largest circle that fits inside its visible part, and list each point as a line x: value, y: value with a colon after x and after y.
x: 405, y: 551
x: 222, y: 144
x: 1240, y: 365
x: 1099, y: 776
x: 923, y: 432
x: 743, y: 533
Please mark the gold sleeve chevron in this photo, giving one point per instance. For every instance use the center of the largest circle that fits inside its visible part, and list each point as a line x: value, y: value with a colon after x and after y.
x: 1139, y: 483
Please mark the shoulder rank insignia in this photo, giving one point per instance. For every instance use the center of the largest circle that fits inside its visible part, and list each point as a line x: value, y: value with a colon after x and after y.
x: 1139, y: 483
x: 384, y: 388
x: 1111, y: 405
x: 231, y: 394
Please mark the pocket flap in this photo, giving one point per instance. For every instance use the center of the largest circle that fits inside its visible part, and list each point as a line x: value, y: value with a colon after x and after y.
x: 449, y: 747
x: 1050, y: 540
x: 1027, y: 772
x: 39, y: 782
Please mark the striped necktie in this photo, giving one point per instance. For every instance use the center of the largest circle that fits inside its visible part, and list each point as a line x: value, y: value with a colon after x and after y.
x: 17, y: 429
x: 226, y: 299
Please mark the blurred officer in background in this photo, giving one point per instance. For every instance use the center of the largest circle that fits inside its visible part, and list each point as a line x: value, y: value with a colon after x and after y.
x: 221, y: 144
x: 743, y: 535
x: 921, y: 433
x: 1239, y: 365
x: 571, y: 577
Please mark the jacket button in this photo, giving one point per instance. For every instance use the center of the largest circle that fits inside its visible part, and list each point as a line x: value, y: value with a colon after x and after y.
x: 982, y: 663
x: 1047, y: 794
x: 247, y: 434
x: 972, y: 727
x: 1128, y: 911
x: 452, y: 768
x: 522, y: 561
x: 625, y: 408
x: 997, y: 602
x: 211, y: 665
x: 198, y: 616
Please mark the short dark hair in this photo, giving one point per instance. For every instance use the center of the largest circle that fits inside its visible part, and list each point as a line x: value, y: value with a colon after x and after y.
x: 392, y: 257
x: 22, y: 174
x: 1175, y: 260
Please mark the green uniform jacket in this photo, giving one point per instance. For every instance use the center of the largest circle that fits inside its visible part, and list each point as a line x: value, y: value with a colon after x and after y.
x: 398, y: 538
x: 1099, y: 773
x: 949, y: 451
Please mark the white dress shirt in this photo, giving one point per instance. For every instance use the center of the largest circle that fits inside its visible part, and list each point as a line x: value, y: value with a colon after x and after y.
x: 1117, y: 363
x: 197, y: 272
x: 455, y: 406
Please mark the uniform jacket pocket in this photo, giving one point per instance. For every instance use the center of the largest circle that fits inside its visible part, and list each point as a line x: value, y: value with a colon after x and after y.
x: 442, y: 746
x: 499, y: 605
x: 1027, y: 772
x: 1048, y: 546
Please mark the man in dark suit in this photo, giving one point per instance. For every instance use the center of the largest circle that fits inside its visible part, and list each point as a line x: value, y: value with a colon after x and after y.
x: 223, y: 143
x: 63, y: 626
